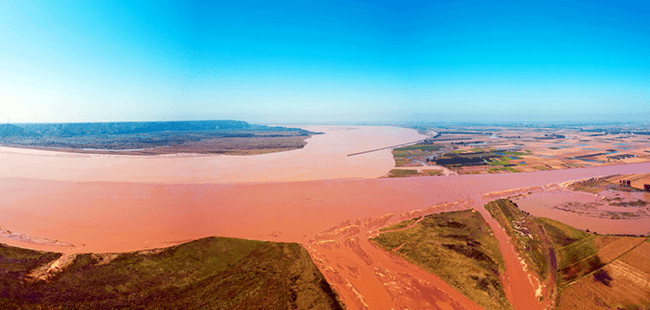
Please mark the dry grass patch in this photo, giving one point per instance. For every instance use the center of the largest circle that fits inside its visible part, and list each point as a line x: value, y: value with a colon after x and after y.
x: 403, y: 173
x: 210, y: 273
x: 622, y: 284
x: 459, y: 247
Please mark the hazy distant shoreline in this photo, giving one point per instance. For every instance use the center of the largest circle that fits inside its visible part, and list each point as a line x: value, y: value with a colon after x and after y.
x: 155, y: 138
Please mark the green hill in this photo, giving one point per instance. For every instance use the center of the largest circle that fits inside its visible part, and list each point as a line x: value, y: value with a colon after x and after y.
x: 210, y: 273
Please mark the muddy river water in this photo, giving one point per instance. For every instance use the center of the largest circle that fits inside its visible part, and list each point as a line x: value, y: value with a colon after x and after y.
x: 86, y: 203
x: 324, y: 157
x: 588, y: 211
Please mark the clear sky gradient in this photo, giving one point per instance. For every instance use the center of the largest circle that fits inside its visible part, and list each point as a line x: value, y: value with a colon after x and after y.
x: 327, y: 61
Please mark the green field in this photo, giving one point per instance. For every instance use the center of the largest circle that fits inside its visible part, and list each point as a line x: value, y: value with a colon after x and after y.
x: 497, y: 170
x: 405, y: 155
x: 432, y: 172
x: 402, y: 173
x: 458, y: 247
x: 502, y: 161
x: 419, y: 147
x: 210, y: 273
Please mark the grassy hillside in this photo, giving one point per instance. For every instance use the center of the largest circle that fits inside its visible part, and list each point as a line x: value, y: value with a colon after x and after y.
x: 458, y: 247
x: 210, y: 273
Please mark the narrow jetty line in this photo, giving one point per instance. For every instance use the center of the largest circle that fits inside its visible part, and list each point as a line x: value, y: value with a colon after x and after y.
x: 388, y: 147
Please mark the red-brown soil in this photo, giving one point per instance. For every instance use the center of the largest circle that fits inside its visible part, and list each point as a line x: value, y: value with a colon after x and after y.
x: 621, y: 284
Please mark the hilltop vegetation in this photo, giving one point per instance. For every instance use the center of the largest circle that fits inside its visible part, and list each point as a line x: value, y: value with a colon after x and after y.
x: 210, y: 273
x: 458, y: 247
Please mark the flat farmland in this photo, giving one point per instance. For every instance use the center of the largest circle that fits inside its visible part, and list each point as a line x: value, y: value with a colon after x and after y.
x: 508, y: 149
x: 622, y: 284
x: 590, y: 254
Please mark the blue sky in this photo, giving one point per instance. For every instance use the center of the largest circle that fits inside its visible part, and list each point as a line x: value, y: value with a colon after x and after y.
x: 331, y: 61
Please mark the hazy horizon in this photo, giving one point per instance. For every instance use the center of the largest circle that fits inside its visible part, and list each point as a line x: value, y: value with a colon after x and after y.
x: 330, y: 62
x: 537, y: 123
